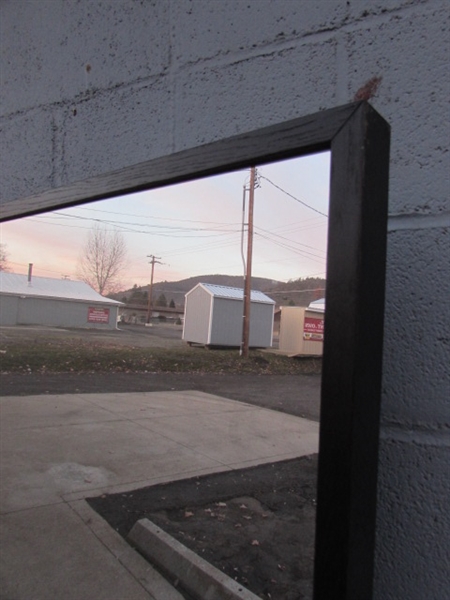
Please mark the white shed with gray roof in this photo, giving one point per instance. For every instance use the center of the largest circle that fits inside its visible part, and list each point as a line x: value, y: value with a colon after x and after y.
x: 213, y: 316
x: 54, y: 302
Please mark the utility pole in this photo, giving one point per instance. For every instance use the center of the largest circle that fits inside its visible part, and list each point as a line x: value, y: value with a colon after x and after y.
x: 154, y: 259
x: 248, y: 271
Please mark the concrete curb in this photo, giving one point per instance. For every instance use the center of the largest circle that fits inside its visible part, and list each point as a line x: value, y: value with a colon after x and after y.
x: 195, y: 574
x: 134, y: 563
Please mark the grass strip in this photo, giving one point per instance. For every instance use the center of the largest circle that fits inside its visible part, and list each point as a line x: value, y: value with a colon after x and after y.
x: 85, y: 357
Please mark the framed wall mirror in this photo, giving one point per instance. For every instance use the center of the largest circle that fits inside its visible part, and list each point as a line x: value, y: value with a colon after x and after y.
x: 358, y: 139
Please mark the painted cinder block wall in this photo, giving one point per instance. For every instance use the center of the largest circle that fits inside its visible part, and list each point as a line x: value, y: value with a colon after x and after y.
x: 90, y: 87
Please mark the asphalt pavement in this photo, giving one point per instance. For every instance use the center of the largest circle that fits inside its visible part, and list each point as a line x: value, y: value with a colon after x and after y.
x: 297, y: 395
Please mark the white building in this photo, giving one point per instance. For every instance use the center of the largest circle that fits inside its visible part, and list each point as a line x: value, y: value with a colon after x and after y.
x: 54, y: 302
x: 317, y: 305
x: 213, y: 316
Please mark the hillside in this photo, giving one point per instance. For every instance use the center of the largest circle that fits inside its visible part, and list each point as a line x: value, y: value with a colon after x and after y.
x: 299, y: 292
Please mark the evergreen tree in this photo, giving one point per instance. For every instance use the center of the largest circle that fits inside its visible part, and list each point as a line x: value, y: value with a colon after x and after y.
x: 162, y: 300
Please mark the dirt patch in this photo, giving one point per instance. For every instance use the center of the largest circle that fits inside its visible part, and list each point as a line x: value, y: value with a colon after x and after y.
x: 256, y: 524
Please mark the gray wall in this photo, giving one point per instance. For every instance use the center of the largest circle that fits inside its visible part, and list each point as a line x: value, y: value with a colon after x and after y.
x: 170, y: 75
x: 52, y: 312
x: 9, y: 309
x: 226, y: 322
x: 226, y: 326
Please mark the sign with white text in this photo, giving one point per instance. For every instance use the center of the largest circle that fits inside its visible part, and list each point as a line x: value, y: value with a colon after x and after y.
x: 98, y: 315
x: 313, y: 329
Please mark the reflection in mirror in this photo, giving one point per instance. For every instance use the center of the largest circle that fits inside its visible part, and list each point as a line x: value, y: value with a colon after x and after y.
x: 359, y: 140
x: 161, y: 244
x: 195, y: 227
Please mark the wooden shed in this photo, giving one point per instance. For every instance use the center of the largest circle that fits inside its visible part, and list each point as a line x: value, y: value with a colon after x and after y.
x: 213, y: 316
x: 301, y: 331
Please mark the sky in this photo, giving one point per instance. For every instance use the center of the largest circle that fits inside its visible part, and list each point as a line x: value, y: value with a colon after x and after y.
x: 193, y: 228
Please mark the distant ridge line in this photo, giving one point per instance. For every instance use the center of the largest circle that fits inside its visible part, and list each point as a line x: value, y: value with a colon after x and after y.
x: 301, y: 291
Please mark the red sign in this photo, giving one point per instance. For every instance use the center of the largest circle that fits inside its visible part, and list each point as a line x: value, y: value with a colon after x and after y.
x: 98, y: 315
x: 313, y: 329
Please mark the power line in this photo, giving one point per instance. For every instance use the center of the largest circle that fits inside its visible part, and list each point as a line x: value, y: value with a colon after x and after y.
x: 166, y: 227
x: 111, y: 212
x: 303, y: 253
x: 221, y: 233
x: 188, y: 250
x: 295, y: 228
x: 320, y: 289
x: 293, y: 197
x: 115, y: 224
x: 36, y: 268
x: 287, y: 239
x: 222, y: 243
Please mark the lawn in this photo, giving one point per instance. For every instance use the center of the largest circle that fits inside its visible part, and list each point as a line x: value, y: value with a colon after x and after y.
x: 88, y: 356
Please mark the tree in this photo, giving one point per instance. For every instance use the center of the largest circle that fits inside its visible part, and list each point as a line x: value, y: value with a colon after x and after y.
x: 162, y: 301
x: 103, y: 259
x: 172, y: 304
x: 137, y: 295
x: 4, y: 266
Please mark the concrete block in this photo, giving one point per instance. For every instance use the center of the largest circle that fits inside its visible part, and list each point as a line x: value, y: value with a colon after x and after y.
x: 56, y: 50
x: 26, y: 154
x: 218, y: 102
x: 416, y: 380
x: 413, y: 529
x: 116, y: 129
x: 409, y: 52
x: 365, y: 9
x: 205, y: 29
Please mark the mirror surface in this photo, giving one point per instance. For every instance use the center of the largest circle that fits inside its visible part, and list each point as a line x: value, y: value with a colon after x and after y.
x: 195, y: 230
x: 195, y: 227
x: 359, y: 139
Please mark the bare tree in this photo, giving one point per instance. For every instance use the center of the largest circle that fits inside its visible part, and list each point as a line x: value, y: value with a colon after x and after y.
x: 103, y: 259
x: 4, y: 265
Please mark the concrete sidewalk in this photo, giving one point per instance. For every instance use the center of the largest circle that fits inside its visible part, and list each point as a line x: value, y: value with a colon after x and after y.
x: 57, y: 450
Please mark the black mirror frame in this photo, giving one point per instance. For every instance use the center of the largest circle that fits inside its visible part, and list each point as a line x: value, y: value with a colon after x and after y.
x: 351, y: 380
